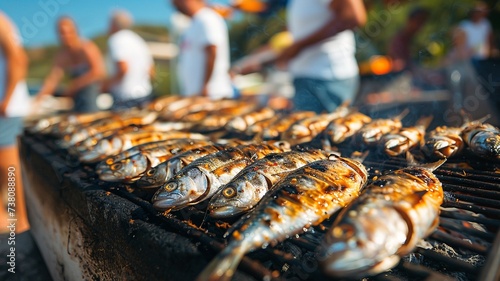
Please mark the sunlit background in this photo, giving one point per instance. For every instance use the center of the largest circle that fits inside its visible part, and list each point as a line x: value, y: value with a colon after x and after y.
x: 249, y: 30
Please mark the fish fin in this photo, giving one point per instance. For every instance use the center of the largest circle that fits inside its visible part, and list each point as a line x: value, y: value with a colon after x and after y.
x: 223, y: 266
x: 259, y: 136
x: 416, y: 197
x: 325, y: 143
x: 428, y: 166
x: 215, y: 136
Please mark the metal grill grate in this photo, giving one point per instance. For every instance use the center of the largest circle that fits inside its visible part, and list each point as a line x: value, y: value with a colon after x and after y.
x: 468, y: 230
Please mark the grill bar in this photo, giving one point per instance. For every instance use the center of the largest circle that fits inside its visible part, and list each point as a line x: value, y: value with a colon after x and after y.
x: 473, y: 183
x: 472, y: 190
x: 477, y: 200
x: 424, y: 272
x: 474, y: 208
x: 452, y: 263
x: 452, y: 225
x: 492, y: 262
x: 456, y: 242
x: 464, y: 217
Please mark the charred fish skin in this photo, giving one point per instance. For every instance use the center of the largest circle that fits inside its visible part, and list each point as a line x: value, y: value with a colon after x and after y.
x: 443, y: 143
x: 385, y: 223
x: 243, y: 122
x: 156, y: 176
x: 306, y: 129
x: 247, y: 188
x: 372, y: 132
x: 117, y: 144
x: 483, y: 140
x: 130, y: 168
x: 199, y: 180
x: 342, y: 128
x: 274, y: 130
x: 303, y: 198
x: 406, y: 139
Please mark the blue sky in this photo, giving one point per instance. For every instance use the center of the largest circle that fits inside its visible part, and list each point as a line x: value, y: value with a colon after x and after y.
x: 36, y: 19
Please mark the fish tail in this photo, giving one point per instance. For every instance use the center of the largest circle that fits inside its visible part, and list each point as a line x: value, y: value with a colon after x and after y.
x: 467, y: 118
x: 425, y: 121
x: 223, y: 266
x: 429, y: 166
x: 259, y: 137
x: 402, y: 115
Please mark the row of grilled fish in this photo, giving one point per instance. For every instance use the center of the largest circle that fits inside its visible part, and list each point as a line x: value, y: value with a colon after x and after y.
x: 377, y: 226
x: 282, y: 190
x: 288, y: 191
x: 92, y: 137
x: 479, y: 138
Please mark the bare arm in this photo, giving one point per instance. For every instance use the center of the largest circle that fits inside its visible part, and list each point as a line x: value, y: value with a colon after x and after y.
x: 492, y: 50
x: 348, y: 15
x: 96, y: 69
x: 16, y: 62
x: 52, y: 80
x: 121, y: 70
x: 210, y: 53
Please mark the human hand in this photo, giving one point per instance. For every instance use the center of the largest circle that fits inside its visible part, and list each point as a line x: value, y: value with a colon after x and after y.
x: 3, y: 109
x: 288, y: 54
x: 204, y: 91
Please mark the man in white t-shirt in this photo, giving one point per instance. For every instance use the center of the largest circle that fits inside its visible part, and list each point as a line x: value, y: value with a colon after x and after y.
x: 478, y: 32
x: 132, y: 64
x: 321, y: 59
x: 203, y: 67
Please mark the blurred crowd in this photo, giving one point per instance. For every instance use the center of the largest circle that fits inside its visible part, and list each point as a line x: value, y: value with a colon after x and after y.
x: 309, y: 66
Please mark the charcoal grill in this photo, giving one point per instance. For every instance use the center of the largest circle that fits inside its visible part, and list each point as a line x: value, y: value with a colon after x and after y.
x: 90, y: 230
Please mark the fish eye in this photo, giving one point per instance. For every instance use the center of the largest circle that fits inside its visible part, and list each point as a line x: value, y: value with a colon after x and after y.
x: 151, y: 172
x: 109, y: 161
x: 116, y: 166
x: 229, y: 192
x: 171, y: 187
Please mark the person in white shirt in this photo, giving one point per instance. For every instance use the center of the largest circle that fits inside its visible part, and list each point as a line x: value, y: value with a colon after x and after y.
x: 132, y: 63
x: 478, y: 32
x: 321, y: 59
x: 14, y: 105
x: 203, y: 67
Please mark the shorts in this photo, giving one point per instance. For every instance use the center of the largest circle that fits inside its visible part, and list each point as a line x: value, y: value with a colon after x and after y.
x: 10, y: 128
x: 126, y: 104
x: 322, y: 95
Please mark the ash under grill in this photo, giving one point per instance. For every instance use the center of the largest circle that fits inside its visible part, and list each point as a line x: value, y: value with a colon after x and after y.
x: 466, y: 246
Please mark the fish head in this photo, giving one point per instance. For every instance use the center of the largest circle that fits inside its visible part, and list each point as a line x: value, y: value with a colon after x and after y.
x: 486, y: 144
x: 103, y: 148
x: 337, y: 132
x: 371, y: 136
x: 395, y: 145
x: 356, y: 165
x: 182, y: 190
x: 442, y: 147
x: 238, y: 196
x: 363, y: 243
x: 237, y: 124
x: 154, y: 177
x: 127, y: 170
x: 299, y: 131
